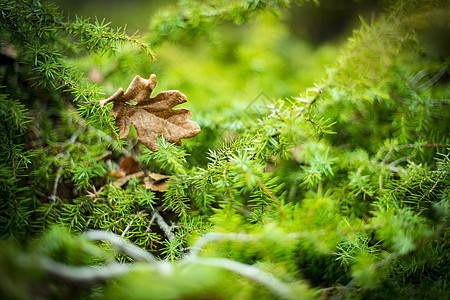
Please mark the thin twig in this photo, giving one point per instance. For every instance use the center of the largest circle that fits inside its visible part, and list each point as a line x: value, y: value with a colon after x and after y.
x: 304, y: 108
x: 53, y: 196
x: 276, y: 286
x: 220, y: 236
x: 400, y: 186
x: 124, y: 233
x: 127, y: 248
x: 418, y: 202
x: 434, y: 79
x: 315, y: 124
x: 216, y: 236
x: 89, y: 275
x: 163, y: 225
x: 85, y: 276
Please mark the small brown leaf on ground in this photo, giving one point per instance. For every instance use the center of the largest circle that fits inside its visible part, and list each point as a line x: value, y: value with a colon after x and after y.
x: 122, y: 181
x: 128, y: 165
x: 158, y: 177
x: 151, y: 116
x: 117, y: 174
x: 156, y: 182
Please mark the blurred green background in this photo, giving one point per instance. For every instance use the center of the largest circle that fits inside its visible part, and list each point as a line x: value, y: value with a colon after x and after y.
x: 277, y: 56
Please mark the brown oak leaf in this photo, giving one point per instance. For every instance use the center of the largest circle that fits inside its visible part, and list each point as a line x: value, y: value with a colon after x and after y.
x: 151, y: 116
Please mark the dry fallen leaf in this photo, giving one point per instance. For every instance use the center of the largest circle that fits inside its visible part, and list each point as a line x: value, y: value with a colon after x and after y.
x: 116, y: 174
x: 151, y: 116
x: 123, y: 180
x: 128, y: 165
x: 156, y: 182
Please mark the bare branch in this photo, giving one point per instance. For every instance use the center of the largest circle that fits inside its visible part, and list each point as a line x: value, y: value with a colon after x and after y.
x: 218, y: 236
x: 85, y: 276
x: 125, y: 247
x: 88, y: 276
x: 253, y: 273
x: 215, y: 236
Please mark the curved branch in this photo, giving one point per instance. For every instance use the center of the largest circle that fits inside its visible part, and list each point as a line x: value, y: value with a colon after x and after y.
x: 88, y: 275
x: 214, y: 236
x: 277, y: 287
x: 219, y: 236
x: 133, y: 251
x: 84, y: 275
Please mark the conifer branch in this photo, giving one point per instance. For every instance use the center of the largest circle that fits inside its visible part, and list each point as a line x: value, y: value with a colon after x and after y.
x: 272, y: 196
x: 11, y: 151
x: 426, y: 194
x: 390, y: 258
x: 310, y: 103
x: 315, y: 124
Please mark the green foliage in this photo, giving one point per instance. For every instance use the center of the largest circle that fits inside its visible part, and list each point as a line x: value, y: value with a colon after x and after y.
x: 168, y: 156
x: 16, y: 206
x: 193, y: 19
x: 339, y: 192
